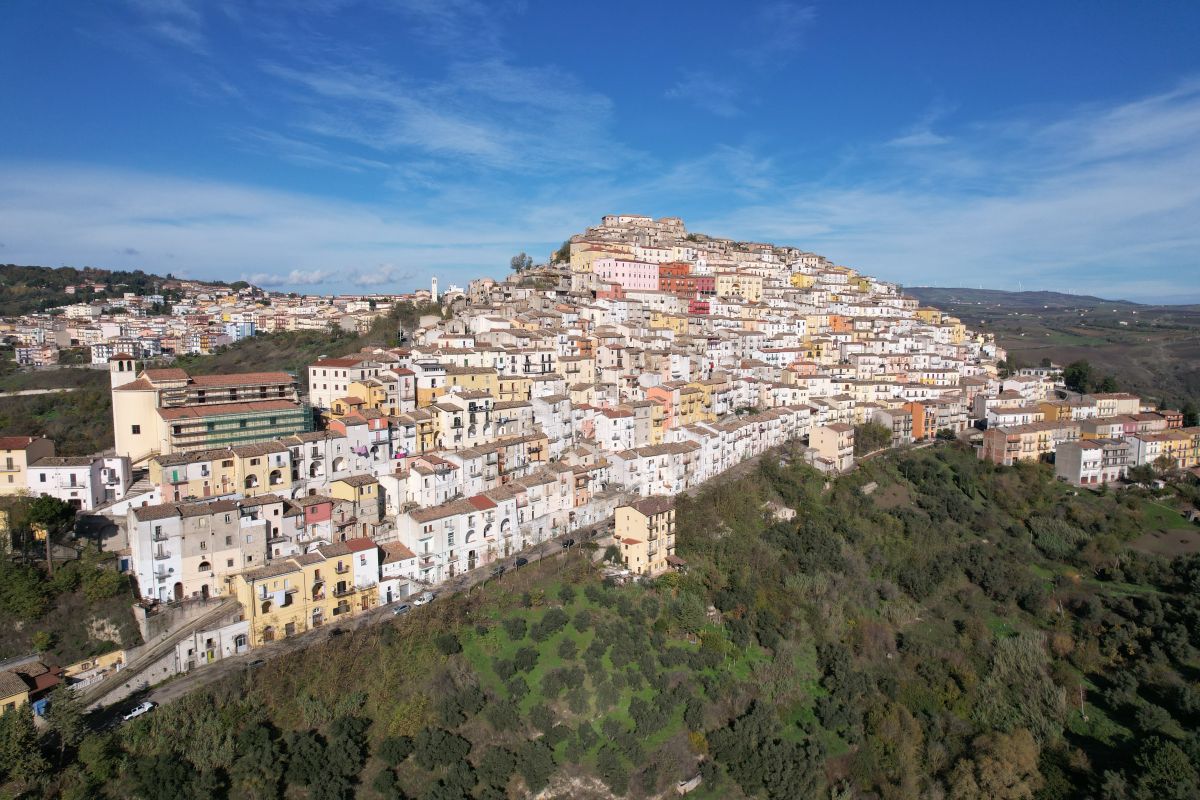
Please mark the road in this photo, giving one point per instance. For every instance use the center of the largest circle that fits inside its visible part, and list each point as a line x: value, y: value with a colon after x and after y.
x: 464, y: 582
x: 200, y: 677
x: 27, y: 392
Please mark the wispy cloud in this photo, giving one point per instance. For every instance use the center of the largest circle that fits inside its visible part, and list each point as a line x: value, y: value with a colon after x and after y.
x: 297, y: 277
x: 1081, y: 202
x: 775, y: 32
x: 707, y: 92
x: 177, y: 22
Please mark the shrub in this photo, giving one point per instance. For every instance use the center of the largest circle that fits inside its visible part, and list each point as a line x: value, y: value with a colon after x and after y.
x: 448, y: 644
x: 516, y: 627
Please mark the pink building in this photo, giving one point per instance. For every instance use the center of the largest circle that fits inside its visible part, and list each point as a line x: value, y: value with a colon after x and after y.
x: 632, y: 275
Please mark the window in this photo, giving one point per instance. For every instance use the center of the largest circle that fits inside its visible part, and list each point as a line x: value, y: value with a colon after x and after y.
x: 136, y: 430
x: 203, y: 545
x: 43, y: 477
x: 228, y: 539
x: 249, y: 538
x: 229, y: 563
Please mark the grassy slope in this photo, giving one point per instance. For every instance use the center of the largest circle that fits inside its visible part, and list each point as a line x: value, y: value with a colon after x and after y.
x: 885, y: 587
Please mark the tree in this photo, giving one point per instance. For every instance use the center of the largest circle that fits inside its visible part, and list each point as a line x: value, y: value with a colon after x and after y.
x: 65, y: 718
x: 1005, y: 767
x: 1078, y: 376
x: 870, y: 436
x: 563, y: 254
x: 20, y: 750
x: 50, y: 513
x: 258, y: 770
x: 1191, y: 414
x: 1109, y: 384
x: 520, y: 262
x: 1164, y: 772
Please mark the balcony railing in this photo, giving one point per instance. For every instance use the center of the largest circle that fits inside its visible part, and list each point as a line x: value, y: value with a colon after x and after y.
x: 162, y: 555
x: 349, y: 590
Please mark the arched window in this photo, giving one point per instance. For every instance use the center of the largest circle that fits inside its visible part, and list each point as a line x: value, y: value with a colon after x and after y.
x: 205, y: 566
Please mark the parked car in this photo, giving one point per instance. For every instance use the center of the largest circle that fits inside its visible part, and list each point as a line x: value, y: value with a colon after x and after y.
x: 138, y: 710
x: 520, y: 562
x: 424, y: 598
x: 403, y: 608
x: 337, y: 631
x: 258, y: 662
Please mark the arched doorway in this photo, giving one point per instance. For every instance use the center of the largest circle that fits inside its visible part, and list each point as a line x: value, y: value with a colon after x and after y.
x: 178, y: 591
x: 204, y: 591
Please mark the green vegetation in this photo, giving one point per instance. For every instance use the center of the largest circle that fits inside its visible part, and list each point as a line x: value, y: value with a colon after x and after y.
x: 994, y: 637
x: 1080, y: 377
x: 25, y: 290
x: 78, y: 421
x: 1151, y: 351
x: 869, y: 437
x: 80, y: 611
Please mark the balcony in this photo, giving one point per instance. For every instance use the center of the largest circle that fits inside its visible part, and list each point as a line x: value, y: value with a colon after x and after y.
x: 344, y: 592
x: 341, y: 570
x: 162, y: 555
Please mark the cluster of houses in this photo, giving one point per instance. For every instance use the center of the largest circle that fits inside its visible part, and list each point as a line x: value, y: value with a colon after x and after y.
x: 642, y: 363
x: 180, y: 317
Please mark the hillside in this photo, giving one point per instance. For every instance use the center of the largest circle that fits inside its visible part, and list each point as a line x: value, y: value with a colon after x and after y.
x: 27, y: 289
x: 80, y: 420
x: 1152, y: 351
x: 964, y: 631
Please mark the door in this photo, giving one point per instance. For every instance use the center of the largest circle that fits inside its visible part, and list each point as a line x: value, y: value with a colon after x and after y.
x: 178, y: 591
x: 204, y: 591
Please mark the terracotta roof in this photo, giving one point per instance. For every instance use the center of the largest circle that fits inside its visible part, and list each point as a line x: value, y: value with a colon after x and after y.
x: 16, y: 442
x: 395, y: 551
x: 481, y: 502
x: 219, y: 409
x: 242, y: 379
x: 166, y: 374
x: 358, y: 480
x: 12, y: 684
x: 348, y: 361
x: 141, y: 384
x: 63, y: 461
x: 652, y: 506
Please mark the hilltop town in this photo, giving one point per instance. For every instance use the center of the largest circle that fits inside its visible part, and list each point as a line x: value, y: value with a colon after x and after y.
x: 573, y: 400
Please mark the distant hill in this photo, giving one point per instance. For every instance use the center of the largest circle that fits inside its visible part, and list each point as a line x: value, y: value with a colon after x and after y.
x: 1153, y: 350
x: 939, y: 295
x: 29, y: 289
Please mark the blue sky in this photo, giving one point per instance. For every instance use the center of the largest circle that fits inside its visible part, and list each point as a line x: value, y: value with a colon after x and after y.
x: 335, y: 145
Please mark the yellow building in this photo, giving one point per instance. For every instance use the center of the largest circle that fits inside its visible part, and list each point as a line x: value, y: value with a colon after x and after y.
x: 514, y: 387
x: 304, y: 592
x: 14, y: 692
x: 203, y: 473
x: 930, y: 316
x: 661, y: 320
x: 802, y: 281
x: 16, y: 454
x: 738, y: 284
x: 476, y: 379
x: 644, y: 533
x: 264, y: 468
